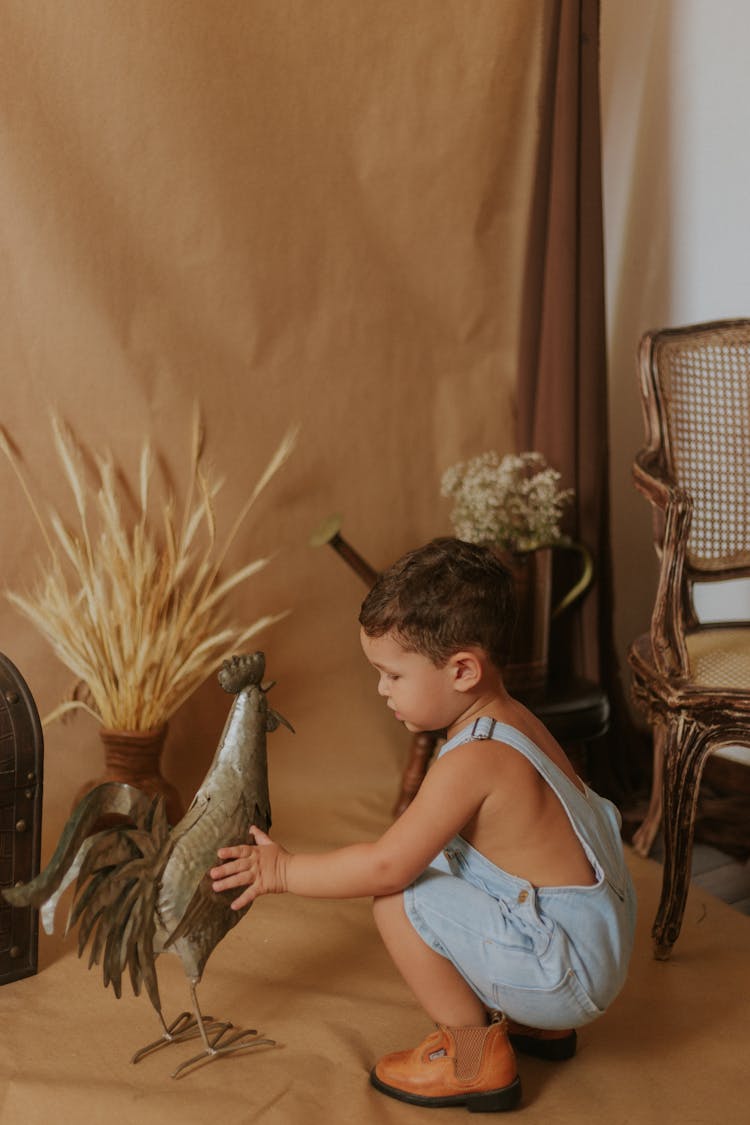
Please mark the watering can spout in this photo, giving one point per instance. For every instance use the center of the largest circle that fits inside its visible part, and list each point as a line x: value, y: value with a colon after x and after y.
x: 329, y: 532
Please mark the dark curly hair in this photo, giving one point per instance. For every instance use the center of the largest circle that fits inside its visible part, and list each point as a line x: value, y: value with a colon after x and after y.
x: 443, y: 597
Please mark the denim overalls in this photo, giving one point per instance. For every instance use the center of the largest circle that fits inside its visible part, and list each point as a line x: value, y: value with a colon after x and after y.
x: 550, y: 957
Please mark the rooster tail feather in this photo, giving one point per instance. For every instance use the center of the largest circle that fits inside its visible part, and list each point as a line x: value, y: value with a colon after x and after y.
x: 90, y: 902
x: 134, y: 968
x: 109, y: 798
x: 148, y: 969
x: 111, y: 964
x: 97, y: 942
x: 157, y: 823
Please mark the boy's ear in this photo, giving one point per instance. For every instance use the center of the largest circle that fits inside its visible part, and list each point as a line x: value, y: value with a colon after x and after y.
x: 466, y: 669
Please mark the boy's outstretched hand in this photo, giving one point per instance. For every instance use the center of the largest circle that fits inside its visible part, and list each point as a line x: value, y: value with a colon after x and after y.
x: 261, y: 867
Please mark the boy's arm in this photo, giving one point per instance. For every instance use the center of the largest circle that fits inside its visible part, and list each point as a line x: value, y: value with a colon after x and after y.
x: 448, y: 797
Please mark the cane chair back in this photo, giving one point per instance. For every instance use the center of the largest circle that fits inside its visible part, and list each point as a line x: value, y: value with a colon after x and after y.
x: 696, y: 391
x: 692, y: 676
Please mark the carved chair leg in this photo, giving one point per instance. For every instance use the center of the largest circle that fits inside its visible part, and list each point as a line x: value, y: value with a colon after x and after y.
x: 687, y: 746
x: 422, y: 748
x: 643, y: 838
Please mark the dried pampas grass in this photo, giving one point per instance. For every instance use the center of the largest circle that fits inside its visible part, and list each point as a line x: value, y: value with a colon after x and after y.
x: 136, y: 607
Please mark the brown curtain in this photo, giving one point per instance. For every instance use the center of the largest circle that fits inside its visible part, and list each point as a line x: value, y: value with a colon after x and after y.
x: 562, y: 391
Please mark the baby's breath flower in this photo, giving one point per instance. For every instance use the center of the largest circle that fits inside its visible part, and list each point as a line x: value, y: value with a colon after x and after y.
x: 514, y: 503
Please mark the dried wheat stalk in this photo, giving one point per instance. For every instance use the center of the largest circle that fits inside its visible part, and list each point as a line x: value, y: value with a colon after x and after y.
x: 136, y: 608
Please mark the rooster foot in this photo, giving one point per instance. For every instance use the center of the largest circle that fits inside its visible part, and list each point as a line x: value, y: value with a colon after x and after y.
x: 238, y: 1040
x: 183, y: 1027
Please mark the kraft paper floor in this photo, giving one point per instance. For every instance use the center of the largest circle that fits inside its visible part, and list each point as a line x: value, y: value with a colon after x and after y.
x: 311, y: 975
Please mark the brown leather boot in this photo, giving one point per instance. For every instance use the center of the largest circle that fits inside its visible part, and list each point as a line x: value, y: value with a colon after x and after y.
x: 555, y: 1046
x: 471, y: 1066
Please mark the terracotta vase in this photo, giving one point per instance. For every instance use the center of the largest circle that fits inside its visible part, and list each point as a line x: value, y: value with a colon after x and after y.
x: 525, y: 673
x: 135, y: 758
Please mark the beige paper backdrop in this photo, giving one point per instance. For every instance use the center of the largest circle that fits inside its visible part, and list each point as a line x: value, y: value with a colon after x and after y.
x: 291, y: 212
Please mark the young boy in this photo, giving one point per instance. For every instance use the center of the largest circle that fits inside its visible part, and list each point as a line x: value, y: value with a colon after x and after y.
x: 533, y: 915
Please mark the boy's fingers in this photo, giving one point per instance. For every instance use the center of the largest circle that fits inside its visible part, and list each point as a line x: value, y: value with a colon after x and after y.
x: 259, y: 836
x: 237, y: 851
x: 222, y: 871
x: 243, y: 900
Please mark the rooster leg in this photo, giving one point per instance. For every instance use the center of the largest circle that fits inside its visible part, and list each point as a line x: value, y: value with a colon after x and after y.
x: 215, y: 1044
x: 184, y: 1027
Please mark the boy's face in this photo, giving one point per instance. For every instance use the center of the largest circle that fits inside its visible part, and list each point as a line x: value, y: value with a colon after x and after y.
x: 420, y: 694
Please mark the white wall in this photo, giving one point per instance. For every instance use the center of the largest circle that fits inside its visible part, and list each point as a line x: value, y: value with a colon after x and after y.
x: 675, y: 87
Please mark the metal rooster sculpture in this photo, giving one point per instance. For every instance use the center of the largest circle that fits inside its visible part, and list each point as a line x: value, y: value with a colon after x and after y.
x: 143, y: 888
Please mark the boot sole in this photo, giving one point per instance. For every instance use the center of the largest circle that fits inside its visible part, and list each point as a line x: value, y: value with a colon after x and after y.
x: 489, y: 1101
x: 553, y: 1050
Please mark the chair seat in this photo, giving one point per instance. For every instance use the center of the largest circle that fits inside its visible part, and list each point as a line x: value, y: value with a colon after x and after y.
x: 719, y: 671
x: 720, y: 658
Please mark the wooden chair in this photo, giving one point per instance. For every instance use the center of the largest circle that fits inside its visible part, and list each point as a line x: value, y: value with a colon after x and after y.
x: 692, y: 677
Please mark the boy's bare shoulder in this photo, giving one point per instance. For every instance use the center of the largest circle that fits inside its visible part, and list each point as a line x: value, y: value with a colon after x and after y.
x: 496, y: 754
x: 486, y: 759
x: 492, y: 754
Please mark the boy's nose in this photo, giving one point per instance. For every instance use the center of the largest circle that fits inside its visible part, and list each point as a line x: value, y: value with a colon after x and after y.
x: 382, y: 686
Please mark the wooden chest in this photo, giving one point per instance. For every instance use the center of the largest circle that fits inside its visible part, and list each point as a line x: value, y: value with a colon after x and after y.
x: 21, y: 762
